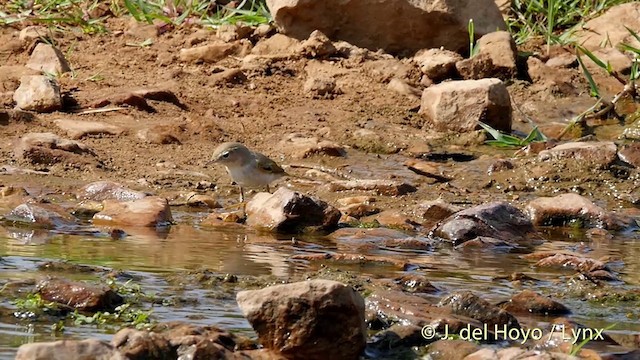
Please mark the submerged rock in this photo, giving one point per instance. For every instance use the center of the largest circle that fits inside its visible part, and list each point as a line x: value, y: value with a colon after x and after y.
x: 289, y: 211
x: 368, y: 239
x: 315, y: 319
x: 381, y: 187
x: 108, y: 190
x: 151, y: 211
x: 69, y: 349
x: 566, y: 209
x: 530, y: 302
x: 79, y: 295
x: 498, y: 220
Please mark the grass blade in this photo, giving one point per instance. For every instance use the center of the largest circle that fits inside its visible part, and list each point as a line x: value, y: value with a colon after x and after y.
x: 592, y: 84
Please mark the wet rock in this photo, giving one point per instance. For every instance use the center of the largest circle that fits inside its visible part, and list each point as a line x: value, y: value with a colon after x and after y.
x: 38, y: 93
x: 632, y: 131
x: 402, y: 87
x: 48, y: 148
x: 496, y: 58
x: 160, y: 135
x: 500, y: 165
x: 630, y: 154
x: 375, y: 238
x: 200, y: 200
x: 212, y: 53
x: 108, y: 190
x: 77, y: 129
x: 48, y: 216
x: 459, y: 105
x: 437, y: 64
x: 498, y: 220
x: 426, y: 168
x: 451, y: 349
x: 567, y: 260
x: 315, y: 319
x: 396, y: 342
x: 319, y: 86
x: 468, y: 304
x: 611, y: 27
x: 289, y: 211
x: 433, y: 211
x: 151, y: 211
x: 393, y: 219
x: 355, y: 200
x: 359, y: 210
x: 69, y: 349
x: 48, y: 59
x: 316, y: 46
x: 530, y: 302
x: 571, y: 208
x: 558, y: 81
x: 79, y: 295
x: 601, y: 153
x: 415, y: 284
x: 277, y: 44
x: 381, y: 187
x: 424, y: 26
x: 517, y: 353
x: 138, y: 345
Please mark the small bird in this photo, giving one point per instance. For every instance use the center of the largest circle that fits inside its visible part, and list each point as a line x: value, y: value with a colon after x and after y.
x: 247, y: 168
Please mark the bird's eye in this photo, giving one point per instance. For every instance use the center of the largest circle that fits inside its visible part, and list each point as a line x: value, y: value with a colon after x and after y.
x: 225, y: 155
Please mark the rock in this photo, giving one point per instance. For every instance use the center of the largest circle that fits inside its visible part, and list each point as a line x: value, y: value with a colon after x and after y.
x: 48, y: 216
x: 451, y: 349
x: 530, y: 302
x: 601, y: 153
x: 355, y: 200
x: 567, y: 260
x: 558, y: 81
x: 498, y: 220
x: 518, y: 353
x: 426, y: 168
x: 151, y: 211
x: 229, y: 77
x: 160, y: 135
x: 459, y: 105
x: 69, y: 349
x: 402, y: 87
x: 434, y: 211
x: 32, y: 33
x: 393, y: 219
x: 233, y: 32
x: 359, y: 210
x: 630, y: 154
x: 319, y: 86
x: 48, y: 148
x: 415, y: 284
x: 289, y: 211
x: 570, y: 208
x: 564, y: 60
x: 38, y: 93
x: 137, y: 344
x: 381, y: 187
x: 10, y: 76
x: 385, y: 70
x: 500, y: 165
x: 278, y: 44
x: 317, y: 46
x: 496, y: 58
x: 77, y: 129
x: 396, y: 341
x: 48, y: 59
x: 108, y: 190
x: 609, y: 29
x: 437, y: 64
x: 138, y: 98
x: 213, y: 53
x: 142, y: 30
x: 315, y: 319
x: 300, y: 147
x: 79, y: 295
x: 468, y: 304
x: 424, y: 24
x: 619, y: 62
x: 375, y: 238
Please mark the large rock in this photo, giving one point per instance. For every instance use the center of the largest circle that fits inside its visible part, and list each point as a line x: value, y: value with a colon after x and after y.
x: 48, y: 148
x: 48, y: 216
x: 496, y: 58
x: 468, y: 304
x: 289, y: 211
x: 48, y: 59
x: 316, y: 319
x: 77, y: 129
x: 150, y: 211
x: 437, y: 64
x: 600, y: 153
x: 609, y: 29
x: 69, y: 349
x: 79, y: 295
x: 569, y: 208
x: 497, y: 220
x: 38, y: 93
x: 460, y: 105
x: 397, y: 26
x: 108, y: 190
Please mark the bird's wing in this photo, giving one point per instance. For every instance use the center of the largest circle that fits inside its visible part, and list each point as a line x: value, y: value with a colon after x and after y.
x: 268, y: 165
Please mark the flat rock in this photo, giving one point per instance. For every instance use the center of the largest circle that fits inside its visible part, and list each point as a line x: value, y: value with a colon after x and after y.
x: 381, y: 187
x: 289, y: 211
x: 307, y: 320
x: 48, y: 59
x: 376, y: 238
x: 79, y: 295
x: 48, y: 148
x: 150, y: 211
x: 460, y: 105
x: 77, y: 129
x: 530, y: 302
x: 576, y: 262
x: 630, y: 154
x: 301, y: 147
x: 48, y: 216
x: 498, y: 220
x: 108, y: 190
x: 38, y: 93
x: 496, y: 58
x: 609, y: 28
x: 601, y: 153
x: 569, y: 208
x: 426, y: 24
x: 69, y: 349
x: 437, y: 64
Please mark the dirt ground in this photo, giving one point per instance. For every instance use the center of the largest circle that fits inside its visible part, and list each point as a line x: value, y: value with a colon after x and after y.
x: 258, y: 112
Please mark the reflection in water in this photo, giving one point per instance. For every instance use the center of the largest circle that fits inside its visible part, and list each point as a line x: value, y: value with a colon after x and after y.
x: 150, y: 254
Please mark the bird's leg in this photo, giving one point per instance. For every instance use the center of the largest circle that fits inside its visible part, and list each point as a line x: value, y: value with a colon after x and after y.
x: 241, y: 194
x: 268, y: 189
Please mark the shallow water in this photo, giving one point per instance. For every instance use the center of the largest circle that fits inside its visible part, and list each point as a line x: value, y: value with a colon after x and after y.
x: 149, y: 256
